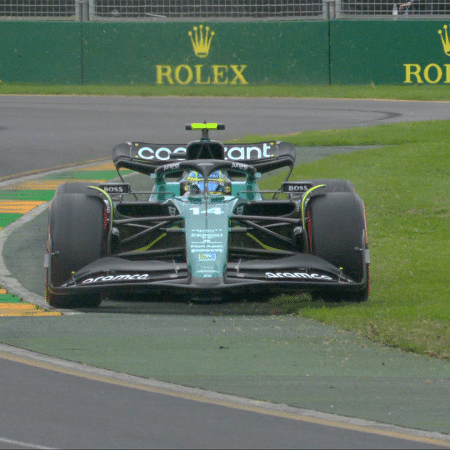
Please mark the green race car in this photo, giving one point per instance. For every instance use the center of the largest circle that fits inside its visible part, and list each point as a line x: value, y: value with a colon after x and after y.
x: 203, y: 228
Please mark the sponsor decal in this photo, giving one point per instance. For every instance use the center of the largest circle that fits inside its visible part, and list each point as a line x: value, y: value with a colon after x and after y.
x: 296, y: 187
x: 431, y: 73
x: 445, y: 40
x: 248, y: 152
x: 201, y: 42
x: 231, y: 153
x: 203, y: 241
x: 161, y: 153
x: 200, y: 74
x: 214, y: 210
x: 172, y: 166
x: 115, y: 278
x: 207, y: 235
x: 216, y: 74
x: 207, y: 257
x: 297, y: 275
x: 116, y: 188
x: 239, y: 166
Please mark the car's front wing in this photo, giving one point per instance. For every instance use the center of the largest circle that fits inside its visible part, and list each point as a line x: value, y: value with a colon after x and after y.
x: 297, y: 273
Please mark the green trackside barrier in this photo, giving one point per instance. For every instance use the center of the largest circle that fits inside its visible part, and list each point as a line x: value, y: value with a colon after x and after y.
x: 226, y: 53
x: 40, y: 52
x: 390, y: 52
x: 206, y: 53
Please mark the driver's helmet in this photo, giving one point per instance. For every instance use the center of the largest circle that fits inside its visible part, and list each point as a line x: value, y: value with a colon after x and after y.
x: 196, y: 183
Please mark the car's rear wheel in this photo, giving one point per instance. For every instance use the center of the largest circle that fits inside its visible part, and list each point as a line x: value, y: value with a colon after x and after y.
x: 334, y: 185
x: 337, y: 233
x: 76, y: 237
x: 78, y: 187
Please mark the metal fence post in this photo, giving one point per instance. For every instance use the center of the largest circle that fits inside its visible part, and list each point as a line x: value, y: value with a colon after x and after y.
x: 85, y: 10
x: 338, y: 10
x: 77, y: 10
x: 329, y: 9
x: 91, y: 9
x: 82, y: 10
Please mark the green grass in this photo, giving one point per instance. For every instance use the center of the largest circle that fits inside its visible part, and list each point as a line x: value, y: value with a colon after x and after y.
x: 395, y: 134
x: 406, y: 187
x: 422, y: 92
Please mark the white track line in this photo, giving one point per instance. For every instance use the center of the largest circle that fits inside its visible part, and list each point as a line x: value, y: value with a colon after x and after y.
x: 24, y: 444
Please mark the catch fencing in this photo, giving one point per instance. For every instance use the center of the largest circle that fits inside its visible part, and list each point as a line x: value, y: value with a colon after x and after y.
x: 151, y: 10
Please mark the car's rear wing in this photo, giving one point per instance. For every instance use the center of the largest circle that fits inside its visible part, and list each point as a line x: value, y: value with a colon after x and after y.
x: 146, y: 158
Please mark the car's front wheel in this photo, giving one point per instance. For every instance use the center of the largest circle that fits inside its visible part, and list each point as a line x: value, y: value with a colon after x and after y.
x: 337, y: 233
x: 76, y: 237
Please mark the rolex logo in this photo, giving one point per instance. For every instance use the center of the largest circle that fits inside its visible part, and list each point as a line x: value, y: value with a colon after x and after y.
x: 201, y: 41
x: 201, y: 73
x: 445, y: 40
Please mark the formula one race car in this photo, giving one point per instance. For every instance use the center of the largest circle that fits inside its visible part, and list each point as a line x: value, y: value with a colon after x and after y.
x: 203, y: 229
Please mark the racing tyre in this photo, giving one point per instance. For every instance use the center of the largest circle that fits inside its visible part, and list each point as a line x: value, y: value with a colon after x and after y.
x: 76, y: 237
x: 337, y: 233
x: 334, y: 185
x: 77, y: 188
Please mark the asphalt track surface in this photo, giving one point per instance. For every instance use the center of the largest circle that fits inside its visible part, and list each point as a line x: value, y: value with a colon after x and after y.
x: 39, y: 132
x: 49, y: 403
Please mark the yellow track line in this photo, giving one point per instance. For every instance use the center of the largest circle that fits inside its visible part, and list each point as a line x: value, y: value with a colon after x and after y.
x: 18, y: 206
x: 45, y: 184
x: 24, y: 309
x: 105, y: 166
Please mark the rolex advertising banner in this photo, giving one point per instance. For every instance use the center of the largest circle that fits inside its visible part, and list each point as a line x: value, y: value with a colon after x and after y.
x: 404, y: 52
x: 206, y: 53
